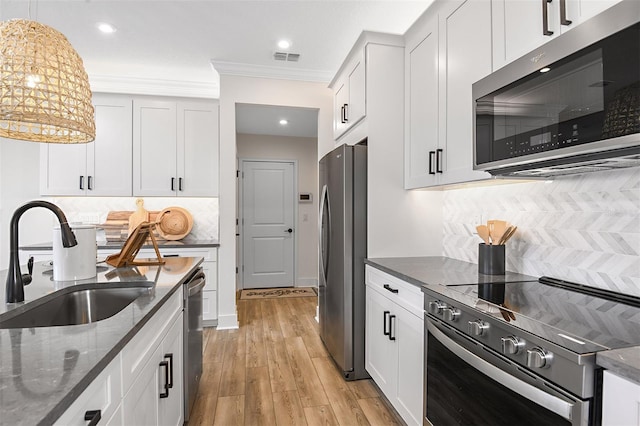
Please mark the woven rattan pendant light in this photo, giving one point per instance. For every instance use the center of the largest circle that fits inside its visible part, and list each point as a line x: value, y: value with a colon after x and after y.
x: 44, y: 88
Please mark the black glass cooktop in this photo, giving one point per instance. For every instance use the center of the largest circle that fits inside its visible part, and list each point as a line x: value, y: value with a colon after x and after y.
x: 578, y: 318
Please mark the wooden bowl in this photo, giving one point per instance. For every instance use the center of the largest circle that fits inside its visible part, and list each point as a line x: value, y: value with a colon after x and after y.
x: 174, y: 223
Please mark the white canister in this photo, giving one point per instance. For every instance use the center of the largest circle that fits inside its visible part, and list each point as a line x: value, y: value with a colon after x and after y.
x: 78, y: 262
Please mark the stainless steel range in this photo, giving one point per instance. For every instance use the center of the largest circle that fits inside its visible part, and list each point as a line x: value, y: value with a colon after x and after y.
x: 521, y: 352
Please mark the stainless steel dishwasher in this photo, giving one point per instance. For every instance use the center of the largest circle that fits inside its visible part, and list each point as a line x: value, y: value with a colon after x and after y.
x: 192, y: 338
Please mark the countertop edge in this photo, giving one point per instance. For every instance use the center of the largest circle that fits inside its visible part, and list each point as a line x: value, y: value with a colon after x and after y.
x: 622, y: 362
x: 395, y: 273
x: 101, y: 245
x: 62, y: 406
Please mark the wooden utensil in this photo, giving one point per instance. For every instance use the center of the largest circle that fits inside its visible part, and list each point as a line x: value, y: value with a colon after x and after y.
x: 497, y: 229
x: 139, y: 216
x: 483, y: 232
x: 508, y: 234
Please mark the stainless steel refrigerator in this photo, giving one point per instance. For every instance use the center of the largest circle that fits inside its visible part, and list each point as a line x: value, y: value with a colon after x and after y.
x: 343, y: 248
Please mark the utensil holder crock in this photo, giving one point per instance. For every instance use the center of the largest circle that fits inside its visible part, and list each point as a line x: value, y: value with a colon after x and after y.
x: 491, y: 259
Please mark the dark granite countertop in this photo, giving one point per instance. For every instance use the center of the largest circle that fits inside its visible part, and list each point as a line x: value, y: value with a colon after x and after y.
x: 621, y: 362
x: 440, y: 271
x: 105, y: 245
x: 37, y: 383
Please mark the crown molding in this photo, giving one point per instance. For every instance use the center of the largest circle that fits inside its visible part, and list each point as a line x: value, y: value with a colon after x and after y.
x: 149, y: 86
x: 267, y: 71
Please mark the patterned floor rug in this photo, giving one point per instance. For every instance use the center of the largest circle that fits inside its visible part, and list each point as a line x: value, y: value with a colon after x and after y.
x: 269, y: 293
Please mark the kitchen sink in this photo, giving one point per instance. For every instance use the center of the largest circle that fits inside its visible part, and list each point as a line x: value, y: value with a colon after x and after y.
x: 82, y: 306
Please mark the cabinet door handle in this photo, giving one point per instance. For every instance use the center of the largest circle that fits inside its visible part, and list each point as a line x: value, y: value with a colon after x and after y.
x: 90, y: 183
x: 545, y: 18
x: 82, y: 182
x: 391, y: 327
x: 345, y: 112
x: 431, y: 155
x: 165, y: 364
x: 93, y: 417
x: 173, y: 184
x: 439, y: 160
x: 170, y: 382
x: 563, y: 13
x: 389, y: 288
x: 385, y: 315
x: 179, y: 184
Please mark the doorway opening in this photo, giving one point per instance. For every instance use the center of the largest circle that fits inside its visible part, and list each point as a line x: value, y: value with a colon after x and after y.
x: 277, y: 193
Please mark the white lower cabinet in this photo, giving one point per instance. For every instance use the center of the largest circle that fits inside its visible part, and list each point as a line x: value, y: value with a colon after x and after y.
x: 131, y: 389
x: 620, y: 401
x: 156, y: 396
x: 102, y: 397
x: 394, y: 343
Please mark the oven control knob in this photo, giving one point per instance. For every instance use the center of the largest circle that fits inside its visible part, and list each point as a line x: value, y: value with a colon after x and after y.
x: 436, y: 307
x: 538, y: 358
x: 450, y: 314
x: 511, y: 345
x: 478, y: 327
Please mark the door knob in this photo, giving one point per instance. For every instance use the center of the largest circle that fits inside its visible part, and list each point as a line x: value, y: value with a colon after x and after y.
x: 289, y: 230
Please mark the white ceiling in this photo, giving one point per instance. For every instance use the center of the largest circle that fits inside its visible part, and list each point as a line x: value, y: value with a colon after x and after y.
x: 176, y: 42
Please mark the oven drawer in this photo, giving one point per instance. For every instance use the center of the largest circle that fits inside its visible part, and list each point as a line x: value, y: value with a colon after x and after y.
x: 404, y: 294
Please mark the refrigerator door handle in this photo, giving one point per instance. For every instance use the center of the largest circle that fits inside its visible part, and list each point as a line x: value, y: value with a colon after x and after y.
x: 324, y: 202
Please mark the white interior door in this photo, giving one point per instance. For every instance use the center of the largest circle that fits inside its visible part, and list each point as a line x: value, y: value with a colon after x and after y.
x: 268, y: 202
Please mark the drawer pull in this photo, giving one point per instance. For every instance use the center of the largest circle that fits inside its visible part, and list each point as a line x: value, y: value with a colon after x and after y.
x: 392, y: 290
x: 93, y: 417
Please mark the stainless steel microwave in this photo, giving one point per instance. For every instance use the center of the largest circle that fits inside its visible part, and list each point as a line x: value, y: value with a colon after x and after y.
x: 570, y: 106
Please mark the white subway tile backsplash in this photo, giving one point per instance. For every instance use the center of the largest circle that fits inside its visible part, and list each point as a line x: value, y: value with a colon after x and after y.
x: 583, y: 228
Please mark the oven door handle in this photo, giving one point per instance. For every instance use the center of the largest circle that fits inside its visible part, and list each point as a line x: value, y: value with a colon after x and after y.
x: 532, y: 393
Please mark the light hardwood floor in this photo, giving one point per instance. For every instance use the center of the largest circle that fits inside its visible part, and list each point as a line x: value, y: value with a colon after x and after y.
x: 274, y: 370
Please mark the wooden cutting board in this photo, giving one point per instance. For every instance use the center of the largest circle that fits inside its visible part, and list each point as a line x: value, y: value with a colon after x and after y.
x: 138, y: 216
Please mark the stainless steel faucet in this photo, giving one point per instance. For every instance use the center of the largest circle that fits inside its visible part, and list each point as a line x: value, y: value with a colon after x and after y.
x: 15, y: 280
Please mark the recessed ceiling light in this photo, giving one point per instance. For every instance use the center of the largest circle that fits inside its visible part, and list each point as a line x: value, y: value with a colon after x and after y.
x: 106, y: 28
x: 545, y: 69
x: 283, y: 122
x: 284, y: 44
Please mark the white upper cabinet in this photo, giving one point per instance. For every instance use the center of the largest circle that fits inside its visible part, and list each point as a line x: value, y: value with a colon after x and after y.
x: 175, y: 148
x: 349, y: 97
x: 100, y: 168
x: 421, y: 104
x: 154, y: 147
x: 520, y: 26
x: 447, y: 50
x: 198, y: 143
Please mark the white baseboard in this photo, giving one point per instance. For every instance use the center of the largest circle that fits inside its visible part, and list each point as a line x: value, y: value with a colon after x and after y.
x: 227, y: 322
x: 307, y: 282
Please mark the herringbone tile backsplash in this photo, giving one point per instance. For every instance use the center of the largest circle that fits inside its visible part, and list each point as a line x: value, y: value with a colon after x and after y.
x: 95, y: 210
x: 582, y: 228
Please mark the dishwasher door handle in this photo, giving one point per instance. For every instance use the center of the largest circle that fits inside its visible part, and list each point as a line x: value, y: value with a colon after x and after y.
x: 196, y: 286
